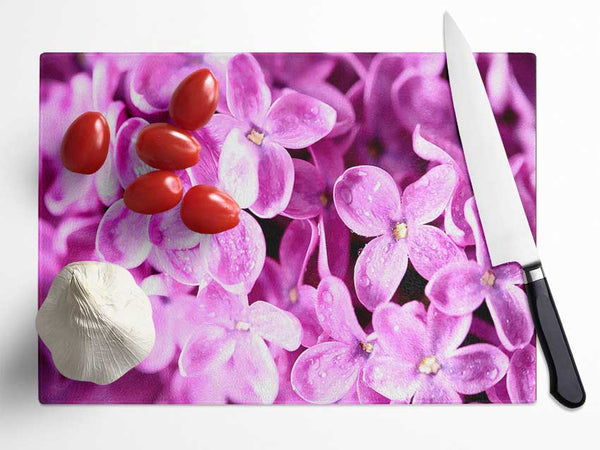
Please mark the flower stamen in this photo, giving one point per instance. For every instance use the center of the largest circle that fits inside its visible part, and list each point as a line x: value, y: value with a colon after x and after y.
x: 375, y: 148
x: 366, y: 347
x: 256, y: 136
x: 488, y: 278
x: 242, y: 326
x: 429, y: 365
x: 293, y: 294
x: 324, y: 199
x: 400, y: 231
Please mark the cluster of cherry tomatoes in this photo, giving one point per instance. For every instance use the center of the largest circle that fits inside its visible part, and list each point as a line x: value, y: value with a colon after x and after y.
x: 205, y: 209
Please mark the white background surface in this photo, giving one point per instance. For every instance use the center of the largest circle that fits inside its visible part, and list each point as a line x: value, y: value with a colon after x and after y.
x: 566, y: 40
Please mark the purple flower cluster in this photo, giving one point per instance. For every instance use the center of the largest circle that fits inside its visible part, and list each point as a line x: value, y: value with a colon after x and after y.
x: 358, y: 272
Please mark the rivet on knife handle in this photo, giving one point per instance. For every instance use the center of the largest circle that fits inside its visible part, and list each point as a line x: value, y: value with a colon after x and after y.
x: 565, y: 383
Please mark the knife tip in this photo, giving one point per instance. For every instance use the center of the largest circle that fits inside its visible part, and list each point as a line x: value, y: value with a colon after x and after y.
x: 448, y: 20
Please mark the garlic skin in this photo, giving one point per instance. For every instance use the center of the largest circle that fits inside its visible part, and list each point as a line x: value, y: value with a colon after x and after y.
x: 96, y: 321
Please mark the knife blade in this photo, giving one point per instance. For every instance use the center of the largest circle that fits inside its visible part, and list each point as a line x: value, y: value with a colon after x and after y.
x: 503, y: 218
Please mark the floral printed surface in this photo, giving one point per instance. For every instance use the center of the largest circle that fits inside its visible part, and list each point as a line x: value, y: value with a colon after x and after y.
x: 358, y: 272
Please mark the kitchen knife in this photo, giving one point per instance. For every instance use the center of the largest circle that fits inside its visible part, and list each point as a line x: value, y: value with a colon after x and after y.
x: 503, y: 219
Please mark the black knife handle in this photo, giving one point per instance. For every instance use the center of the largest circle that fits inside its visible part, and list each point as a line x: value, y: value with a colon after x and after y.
x: 565, y: 383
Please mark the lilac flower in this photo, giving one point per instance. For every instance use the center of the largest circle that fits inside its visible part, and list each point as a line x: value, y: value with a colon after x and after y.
x: 175, y: 314
x: 312, y: 196
x: 368, y: 201
x: 254, y: 166
x: 444, y: 152
x: 233, y: 258
x: 307, y: 73
x: 284, y: 361
x: 229, y: 346
x: 328, y: 371
x: 152, y: 81
x: 439, y: 151
x: 421, y: 357
x: 519, y: 384
x: 460, y: 287
x: 71, y: 192
x: 281, y: 283
x: 514, y: 111
x: 382, y: 140
x: 423, y: 98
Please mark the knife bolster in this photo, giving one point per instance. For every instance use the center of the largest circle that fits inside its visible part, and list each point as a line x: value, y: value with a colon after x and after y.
x: 533, y: 273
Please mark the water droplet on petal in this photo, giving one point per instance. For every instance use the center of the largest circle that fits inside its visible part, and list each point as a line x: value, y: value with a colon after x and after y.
x: 365, y: 280
x: 327, y: 298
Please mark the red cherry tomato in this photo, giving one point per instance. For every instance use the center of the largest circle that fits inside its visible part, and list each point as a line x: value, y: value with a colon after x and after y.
x: 85, y: 144
x: 195, y: 100
x: 153, y: 192
x: 209, y: 210
x: 166, y: 147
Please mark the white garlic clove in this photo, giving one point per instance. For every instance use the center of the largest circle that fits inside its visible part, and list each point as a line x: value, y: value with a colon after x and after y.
x: 96, y: 321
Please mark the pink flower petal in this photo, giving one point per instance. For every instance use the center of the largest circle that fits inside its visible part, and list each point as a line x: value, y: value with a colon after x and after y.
x: 332, y: 96
x: 475, y: 368
x: 206, y: 171
x: 276, y: 180
x: 455, y: 224
x: 165, y: 347
x: 328, y: 156
x: 430, y: 249
x: 184, y: 265
x: 106, y: 179
x: 72, y: 192
x: 297, y: 245
x: 498, y: 393
x: 153, y: 81
x: 122, y: 236
x: 304, y: 310
x: 248, y: 96
x: 238, y: 168
x: 167, y: 230
x: 428, y: 150
x: 335, y: 245
x: 235, y: 257
x: 367, y: 395
x: 510, y: 273
x: 275, y: 325
x: 472, y: 217
x: 418, y: 98
x: 391, y: 377
x: 217, y: 63
x: 379, y: 269
x: 425, y: 199
x: 219, y: 127
x: 326, y: 372
x: 367, y: 200
x: 207, y: 350
x: 401, y: 331
x: 510, y: 312
x: 105, y: 80
x: 254, y: 377
x: 61, y: 104
x: 434, y: 391
x: 272, y: 285
x: 298, y: 300
x: 220, y: 307
x: 456, y: 288
x: 296, y: 120
x: 520, y: 378
x: 446, y: 333
x: 335, y: 312
x: 129, y: 166
x: 305, y: 201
